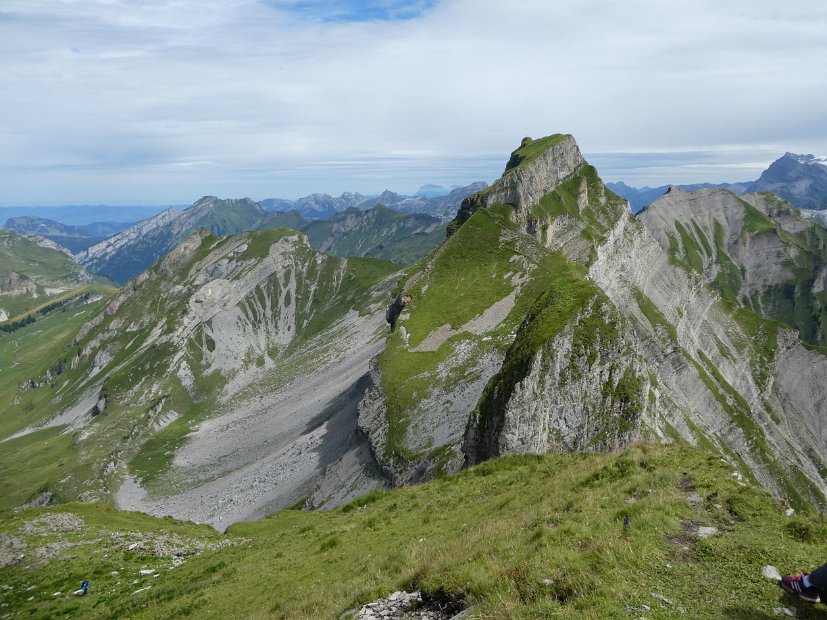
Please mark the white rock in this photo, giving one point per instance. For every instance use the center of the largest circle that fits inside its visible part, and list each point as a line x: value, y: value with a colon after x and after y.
x: 706, y: 532
x: 771, y: 572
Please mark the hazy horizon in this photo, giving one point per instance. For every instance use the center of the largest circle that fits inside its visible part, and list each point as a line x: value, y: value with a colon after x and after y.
x: 164, y: 101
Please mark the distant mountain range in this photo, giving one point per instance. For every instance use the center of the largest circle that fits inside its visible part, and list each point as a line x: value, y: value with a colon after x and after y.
x: 73, y: 238
x: 349, y: 225
x: 800, y: 179
x: 430, y: 199
x: 378, y: 231
x: 79, y: 215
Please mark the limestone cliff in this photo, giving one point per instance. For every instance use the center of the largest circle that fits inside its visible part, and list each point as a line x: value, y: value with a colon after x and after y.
x: 611, y: 329
x: 534, y: 170
x: 585, y: 388
x: 222, y: 384
x: 755, y: 250
x: 722, y: 373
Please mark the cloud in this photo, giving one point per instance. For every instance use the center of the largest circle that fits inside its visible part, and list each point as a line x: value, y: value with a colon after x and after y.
x: 103, y: 100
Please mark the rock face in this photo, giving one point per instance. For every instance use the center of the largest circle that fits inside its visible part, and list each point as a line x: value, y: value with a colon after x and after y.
x: 109, y: 247
x: 801, y: 179
x: 535, y: 169
x: 609, y: 329
x: 13, y: 283
x: 244, y: 357
x: 585, y: 389
x: 753, y: 249
x: 722, y: 374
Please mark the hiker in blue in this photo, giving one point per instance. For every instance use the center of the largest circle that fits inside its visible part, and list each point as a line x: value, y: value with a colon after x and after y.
x: 808, y: 587
x: 84, y: 587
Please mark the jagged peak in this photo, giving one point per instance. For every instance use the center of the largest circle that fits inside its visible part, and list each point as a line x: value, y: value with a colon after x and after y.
x: 530, y: 149
x: 535, y: 168
x: 212, y: 201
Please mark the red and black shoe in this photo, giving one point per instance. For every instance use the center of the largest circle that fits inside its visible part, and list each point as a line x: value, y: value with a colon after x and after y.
x: 794, y: 584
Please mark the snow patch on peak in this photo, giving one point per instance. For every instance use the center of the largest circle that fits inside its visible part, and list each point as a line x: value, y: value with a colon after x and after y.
x: 811, y: 160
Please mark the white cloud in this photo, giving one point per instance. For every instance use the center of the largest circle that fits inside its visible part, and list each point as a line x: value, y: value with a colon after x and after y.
x: 107, y: 100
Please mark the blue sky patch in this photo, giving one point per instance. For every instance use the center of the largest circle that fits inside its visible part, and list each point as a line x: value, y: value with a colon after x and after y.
x: 355, y: 10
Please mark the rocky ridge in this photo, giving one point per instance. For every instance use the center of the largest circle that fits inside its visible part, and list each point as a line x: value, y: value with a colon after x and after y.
x: 679, y: 364
x: 717, y: 379
x: 754, y: 249
x: 110, y: 246
x: 245, y: 351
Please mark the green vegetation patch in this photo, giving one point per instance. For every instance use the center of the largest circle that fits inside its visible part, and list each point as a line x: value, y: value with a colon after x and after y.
x: 531, y: 149
x: 259, y: 243
x: 31, y: 359
x: 690, y: 248
x: 654, y: 316
x: 756, y: 222
x: 728, y: 281
x: 464, y: 277
x: 563, y: 536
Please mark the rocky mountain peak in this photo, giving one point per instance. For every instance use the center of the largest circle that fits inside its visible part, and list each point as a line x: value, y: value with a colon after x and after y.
x: 535, y: 169
x: 801, y: 179
x: 809, y: 159
x: 213, y: 202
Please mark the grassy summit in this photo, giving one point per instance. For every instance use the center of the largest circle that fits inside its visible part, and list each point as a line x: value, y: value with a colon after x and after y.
x: 531, y: 149
x: 519, y: 537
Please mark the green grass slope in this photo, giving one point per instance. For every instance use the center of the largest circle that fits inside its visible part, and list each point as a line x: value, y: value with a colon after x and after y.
x: 520, y: 537
x: 474, y: 269
x: 41, y: 275
x: 126, y: 355
x: 380, y: 232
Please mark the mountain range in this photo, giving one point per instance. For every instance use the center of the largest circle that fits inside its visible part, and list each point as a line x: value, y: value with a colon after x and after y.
x: 274, y: 370
x: 243, y: 373
x: 799, y: 179
x: 349, y: 225
x: 73, y: 238
x: 322, y: 206
x: 377, y: 232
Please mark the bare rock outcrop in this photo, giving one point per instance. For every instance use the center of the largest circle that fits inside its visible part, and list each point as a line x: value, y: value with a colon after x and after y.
x: 533, y: 171
x: 717, y: 380
x: 584, y: 389
x: 13, y: 283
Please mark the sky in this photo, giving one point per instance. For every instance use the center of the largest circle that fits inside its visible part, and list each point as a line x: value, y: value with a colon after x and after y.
x: 164, y: 101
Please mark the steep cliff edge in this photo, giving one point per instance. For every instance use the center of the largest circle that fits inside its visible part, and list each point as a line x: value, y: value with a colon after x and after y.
x: 483, y: 305
x: 721, y: 373
x: 755, y: 250
x: 534, y: 170
x: 604, y: 334
x: 221, y: 384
